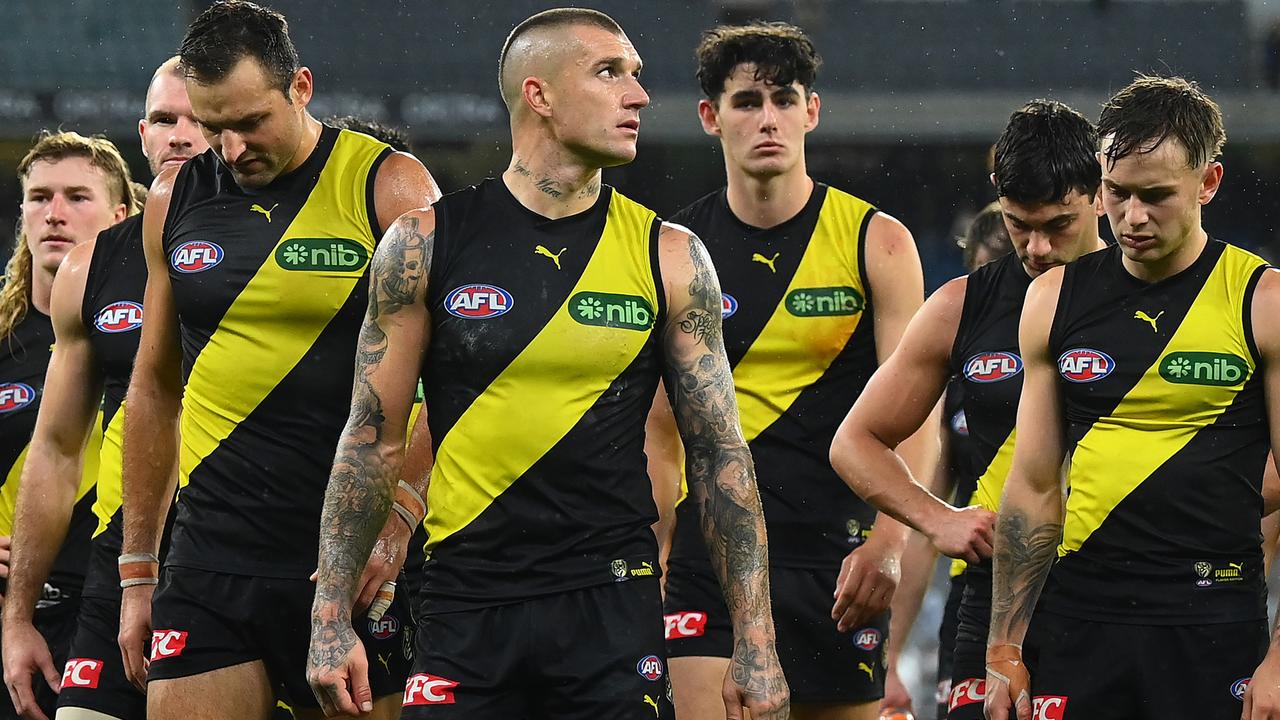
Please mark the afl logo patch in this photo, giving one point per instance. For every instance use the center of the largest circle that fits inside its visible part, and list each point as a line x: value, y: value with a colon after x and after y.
x: 384, y: 627
x: 867, y: 639
x: 728, y: 305
x: 195, y: 256
x: 15, y: 396
x: 992, y: 367
x: 1083, y: 365
x: 478, y: 302
x: 118, y: 317
x: 1238, y: 687
x: 650, y: 667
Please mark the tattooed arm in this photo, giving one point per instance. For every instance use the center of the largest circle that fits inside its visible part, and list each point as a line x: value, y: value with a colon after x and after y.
x: 719, y: 470
x: 358, y: 499
x: 1029, y: 526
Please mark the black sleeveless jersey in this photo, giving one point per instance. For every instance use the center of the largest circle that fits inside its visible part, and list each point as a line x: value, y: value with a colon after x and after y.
x: 541, y: 370
x: 270, y: 286
x: 959, y: 461
x: 112, y: 315
x: 1166, y: 425
x: 799, y: 335
x: 24, y: 358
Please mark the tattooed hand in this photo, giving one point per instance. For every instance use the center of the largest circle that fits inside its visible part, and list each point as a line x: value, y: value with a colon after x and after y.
x: 754, y: 681
x: 337, y: 668
x: 720, y: 472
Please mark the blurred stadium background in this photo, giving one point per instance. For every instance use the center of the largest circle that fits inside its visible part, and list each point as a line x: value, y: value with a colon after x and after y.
x: 914, y: 93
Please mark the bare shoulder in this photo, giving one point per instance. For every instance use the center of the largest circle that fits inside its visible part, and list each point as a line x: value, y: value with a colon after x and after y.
x: 69, y: 285
x: 1265, y: 308
x: 944, y: 307
x: 888, y: 235
x: 402, y: 183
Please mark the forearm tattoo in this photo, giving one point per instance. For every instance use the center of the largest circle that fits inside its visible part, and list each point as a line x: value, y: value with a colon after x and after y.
x: 362, y: 484
x: 1023, y: 556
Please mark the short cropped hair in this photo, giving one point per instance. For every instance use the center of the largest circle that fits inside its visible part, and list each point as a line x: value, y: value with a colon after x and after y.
x: 781, y: 53
x: 555, y: 17
x: 1046, y: 151
x: 1152, y: 109
x: 231, y: 30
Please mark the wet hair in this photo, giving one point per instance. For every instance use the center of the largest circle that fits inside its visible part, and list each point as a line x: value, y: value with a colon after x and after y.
x: 15, y: 293
x: 393, y: 136
x: 554, y: 18
x: 781, y: 53
x: 231, y: 30
x: 1152, y: 109
x: 1046, y: 151
x: 987, y: 230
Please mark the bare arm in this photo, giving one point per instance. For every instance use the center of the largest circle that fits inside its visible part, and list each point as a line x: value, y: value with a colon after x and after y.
x: 665, y: 456
x: 55, y: 461
x: 1031, y: 512
x: 371, y: 450
x: 719, y: 469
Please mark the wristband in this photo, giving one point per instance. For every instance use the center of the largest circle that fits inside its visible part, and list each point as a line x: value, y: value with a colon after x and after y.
x: 407, y: 516
x: 410, y: 505
x: 137, y: 558
x: 130, y: 582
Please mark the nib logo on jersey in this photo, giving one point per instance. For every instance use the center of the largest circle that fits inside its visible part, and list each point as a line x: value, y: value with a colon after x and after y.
x: 1204, y: 368
x: 992, y: 367
x: 321, y: 254
x: 82, y: 673
x: 15, y: 396
x: 824, y: 302
x: 1083, y: 365
x: 424, y: 689
x: 611, y: 310
x: 478, y: 301
x: 974, y: 690
x: 120, y: 316
x: 196, y: 256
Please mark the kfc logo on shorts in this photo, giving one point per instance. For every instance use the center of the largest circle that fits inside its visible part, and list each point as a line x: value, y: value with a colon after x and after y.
x: 82, y: 673
x: 1049, y: 707
x: 967, y: 692
x: 867, y: 639
x: 650, y: 668
x: 423, y: 689
x: 1238, y: 687
x: 686, y: 625
x: 167, y: 644
x: 384, y: 627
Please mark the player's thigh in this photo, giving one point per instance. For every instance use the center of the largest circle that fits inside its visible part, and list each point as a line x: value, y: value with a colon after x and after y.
x: 836, y: 711
x: 697, y: 683
x: 79, y: 713
x: 238, y: 692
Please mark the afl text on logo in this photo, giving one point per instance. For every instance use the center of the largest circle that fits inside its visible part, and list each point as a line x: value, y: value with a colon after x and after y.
x: 1082, y: 365
x: 650, y: 667
x: 992, y: 367
x: 15, y: 396
x: 478, y: 301
x: 120, y: 316
x: 195, y: 256
x: 728, y: 305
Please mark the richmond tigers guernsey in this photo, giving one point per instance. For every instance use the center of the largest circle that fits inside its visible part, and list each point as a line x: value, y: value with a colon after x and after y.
x: 1167, y: 430
x: 24, y: 358
x: 270, y: 290
x: 112, y: 315
x: 799, y: 335
x: 986, y: 363
x: 541, y: 370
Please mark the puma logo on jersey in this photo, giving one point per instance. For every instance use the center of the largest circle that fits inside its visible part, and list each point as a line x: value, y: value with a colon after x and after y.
x: 650, y: 701
x: 265, y: 211
x: 757, y: 257
x: 1140, y: 315
x: 385, y: 663
x: 555, y: 257
x: 1239, y: 567
x: 871, y: 674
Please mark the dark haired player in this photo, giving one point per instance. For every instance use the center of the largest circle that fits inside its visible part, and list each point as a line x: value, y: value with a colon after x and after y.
x: 818, y: 286
x: 1155, y: 366
x: 257, y: 255
x: 1046, y: 178
x: 547, y: 302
